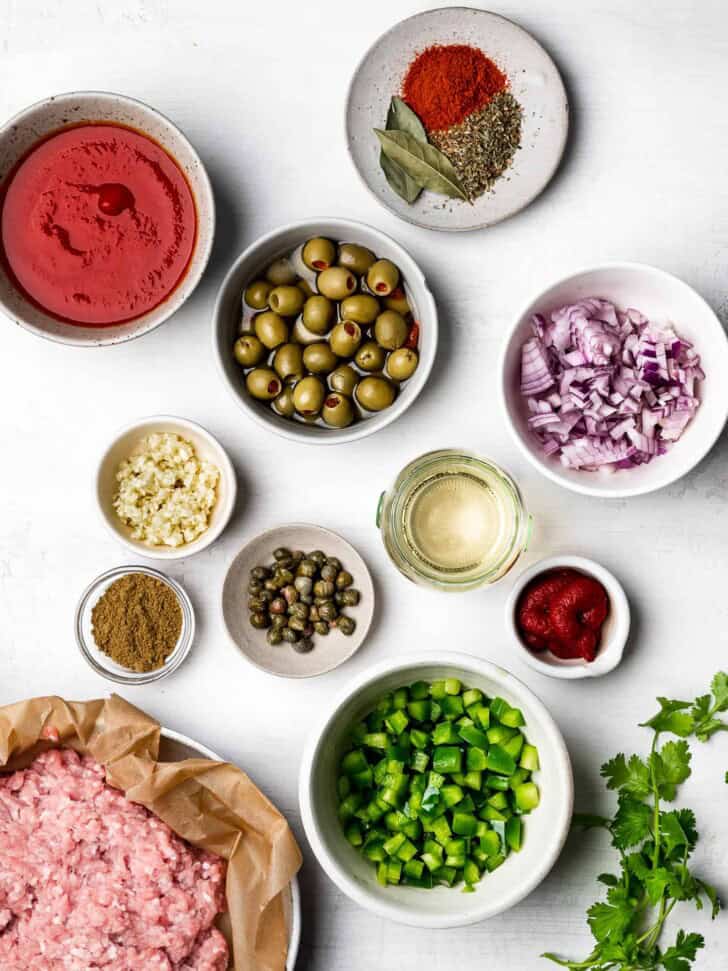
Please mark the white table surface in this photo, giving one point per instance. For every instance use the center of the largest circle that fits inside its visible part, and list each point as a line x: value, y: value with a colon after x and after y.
x: 259, y: 88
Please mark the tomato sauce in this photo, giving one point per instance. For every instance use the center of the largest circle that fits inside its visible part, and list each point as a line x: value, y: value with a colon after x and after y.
x: 563, y: 611
x: 98, y: 224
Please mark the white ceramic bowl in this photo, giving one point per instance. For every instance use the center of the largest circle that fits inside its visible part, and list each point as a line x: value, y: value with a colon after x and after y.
x: 22, y: 131
x: 614, y: 632
x: 546, y: 827
x: 665, y: 299
x: 206, y: 446
x: 173, y: 748
x: 280, y: 242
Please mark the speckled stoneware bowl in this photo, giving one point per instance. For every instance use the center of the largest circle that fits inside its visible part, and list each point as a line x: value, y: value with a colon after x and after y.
x: 534, y: 81
x: 17, y: 137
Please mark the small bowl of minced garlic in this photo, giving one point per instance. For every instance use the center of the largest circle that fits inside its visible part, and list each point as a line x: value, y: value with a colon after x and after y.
x: 165, y: 487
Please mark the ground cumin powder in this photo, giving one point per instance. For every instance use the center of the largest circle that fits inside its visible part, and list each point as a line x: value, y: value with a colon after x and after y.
x: 137, y: 622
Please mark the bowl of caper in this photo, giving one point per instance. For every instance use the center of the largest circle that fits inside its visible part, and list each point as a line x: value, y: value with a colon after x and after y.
x: 325, y: 331
x: 297, y: 600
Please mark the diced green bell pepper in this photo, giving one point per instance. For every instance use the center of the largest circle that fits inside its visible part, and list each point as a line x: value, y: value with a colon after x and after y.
x: 529, y: 758
x: 448, y: 758
x: 473, y: 736
x: 445, y: 733
x: 396, y: 722
x: 500, y: 761
x: 514, y: 833
x: 464, y: 824
x: 527, y: 796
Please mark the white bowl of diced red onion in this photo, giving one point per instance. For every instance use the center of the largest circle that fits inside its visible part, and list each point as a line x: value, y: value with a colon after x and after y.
x: 614, y: 380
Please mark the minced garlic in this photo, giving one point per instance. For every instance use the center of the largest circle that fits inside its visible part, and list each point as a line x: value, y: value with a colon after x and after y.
x: 166, y: 493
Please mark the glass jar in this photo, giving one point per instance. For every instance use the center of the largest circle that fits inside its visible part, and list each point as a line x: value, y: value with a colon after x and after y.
x: 453, y: 521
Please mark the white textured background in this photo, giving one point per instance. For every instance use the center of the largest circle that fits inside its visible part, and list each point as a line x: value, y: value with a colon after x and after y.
x: 259, y: 88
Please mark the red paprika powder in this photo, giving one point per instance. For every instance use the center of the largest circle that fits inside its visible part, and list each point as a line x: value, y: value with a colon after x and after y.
x: 447, y: 82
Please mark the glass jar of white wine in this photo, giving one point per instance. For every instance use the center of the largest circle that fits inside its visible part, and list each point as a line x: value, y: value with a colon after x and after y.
x: 454, y: 521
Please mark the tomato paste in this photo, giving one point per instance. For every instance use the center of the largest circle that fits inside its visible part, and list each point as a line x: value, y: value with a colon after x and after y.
x: 563, y: 611
x: 98, y: 224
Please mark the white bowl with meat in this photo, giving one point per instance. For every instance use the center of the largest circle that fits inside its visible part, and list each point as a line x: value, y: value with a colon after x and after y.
x: 613, y: 380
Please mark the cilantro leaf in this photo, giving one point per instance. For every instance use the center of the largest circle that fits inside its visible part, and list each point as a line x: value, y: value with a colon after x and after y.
x: 672, y: 717
x: 631, y: 822
x: 608, y: 879
x: 719, y: 687
x: 657, y: 882
x: 672, y: 833
x: 712, y: 894
x: 683, y: 951
x: 686, y: 818
x: 671, y: 766
x: 632, y: 776
x: 612, y: 919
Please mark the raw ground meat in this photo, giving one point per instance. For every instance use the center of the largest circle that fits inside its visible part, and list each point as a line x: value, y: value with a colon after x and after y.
x: 90, y: 880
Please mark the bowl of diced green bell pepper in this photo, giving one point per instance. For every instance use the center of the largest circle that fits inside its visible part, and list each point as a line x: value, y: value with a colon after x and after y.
x: 437, y: 791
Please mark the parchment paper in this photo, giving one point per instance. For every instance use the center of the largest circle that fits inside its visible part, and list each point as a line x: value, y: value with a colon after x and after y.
x: 214, y: 805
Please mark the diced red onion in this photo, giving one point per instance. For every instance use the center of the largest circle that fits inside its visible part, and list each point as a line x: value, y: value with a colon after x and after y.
x: 605, y: 388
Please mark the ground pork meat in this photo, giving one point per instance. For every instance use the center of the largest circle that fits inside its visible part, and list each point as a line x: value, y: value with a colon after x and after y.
x: 90, y: 880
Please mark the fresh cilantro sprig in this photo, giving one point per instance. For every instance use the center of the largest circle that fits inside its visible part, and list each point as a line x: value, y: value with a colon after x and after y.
x: 654, y: 845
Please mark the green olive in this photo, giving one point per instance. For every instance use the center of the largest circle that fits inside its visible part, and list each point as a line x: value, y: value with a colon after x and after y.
x: 305, y: 287
x: 391, y: 330
x: 263, y: 384
x: 319, y: 358
x: 286, y: 301
x: 370, y: 357
x: 374, y: 393
x: 280, y: 273
x: 362, y: 308
x: 288, y: 361
x: 248, y: 350
x: 336, y: 283
x: 271, y: 329
x: 383, y: 277
x: 345, y: 338
x: 318, y: 312
x: 397, y: 300
x: 358, y: 259
x: 402, y: 364
x: 283, y: 404
x: 308, y: 396
x: 256, y: 294
x: 318, y: 253
x: 337, y: 411
x: 343, y: 380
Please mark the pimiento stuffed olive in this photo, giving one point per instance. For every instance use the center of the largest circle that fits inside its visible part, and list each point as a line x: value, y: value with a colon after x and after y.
x: 318, y: 253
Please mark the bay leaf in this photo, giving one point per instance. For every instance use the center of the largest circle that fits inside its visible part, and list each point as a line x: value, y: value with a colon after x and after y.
x: 400, y: 117
x: 422, y: 162
x: 403, y: 184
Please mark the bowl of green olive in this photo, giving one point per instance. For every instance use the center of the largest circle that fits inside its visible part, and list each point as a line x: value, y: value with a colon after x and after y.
x: 325, y: 331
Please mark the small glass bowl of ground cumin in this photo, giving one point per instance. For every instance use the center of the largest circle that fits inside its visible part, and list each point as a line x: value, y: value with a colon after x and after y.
x: 134, y: 625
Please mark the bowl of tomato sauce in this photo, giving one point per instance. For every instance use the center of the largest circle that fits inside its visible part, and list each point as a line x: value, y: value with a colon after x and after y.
x: 107, y: 218
x: 568, y: 617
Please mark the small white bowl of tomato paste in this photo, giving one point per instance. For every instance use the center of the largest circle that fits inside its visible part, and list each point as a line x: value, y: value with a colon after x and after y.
x: 568, y: 617
x: 107, y: 218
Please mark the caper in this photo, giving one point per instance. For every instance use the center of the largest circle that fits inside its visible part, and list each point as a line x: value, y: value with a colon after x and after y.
x: 321, y: 600
x: 288, y: 360
x: 344, y: 580
x: 321, y: 627
x: 370, y: 357
x: 402, y: 364
x: 298, y: 555
x: 307, y: 598
x: 299, y: 610
x: 278, y: 605
x: 308, y: 396
x: 259, y: 573
x: 328, y: 611
x: 284, y: 577
x: 259, y: 620
x: 350, y: 597
x: 336, y: 282
x: 397, y: 300
x: 391, y: 330
x: 271, y: 584
x: 358, y: 259
x: 323, y: 588
x: 248, y: 350
x: 318, y: 557
x: 383, y: 277
x: 303, y: 646
x: 307, y: 568
x: 360, y: 307
x: 290, y: 636
x: 279, y: 621
x: 255, y: 586
x: 266, y: 595
x: 345, y: 338
x: 286, y: 301
x: 271, y: 329
x: 318, y: 253
x: 319, y: 358
x: 328, y: 571
x: 334, y: 561
x: 283, y: 403
x: 343, y: 380
x: 303, y: 584
x: 337, y: 411
x: 346, y: 625
x: 256, y: 294
x: 280, y: 273
x: 318, y: 314
x: 290, y: 593
x: 297, y: 623
x: 256, y: 604
x: 274, y: 636
x: 263, y: 384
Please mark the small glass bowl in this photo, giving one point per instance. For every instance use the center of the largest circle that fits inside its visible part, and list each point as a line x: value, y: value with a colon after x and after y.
x: 102, y: 663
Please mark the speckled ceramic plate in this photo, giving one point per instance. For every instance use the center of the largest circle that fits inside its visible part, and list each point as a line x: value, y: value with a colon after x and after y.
x: 329, y: 651
x: 534, y: 81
